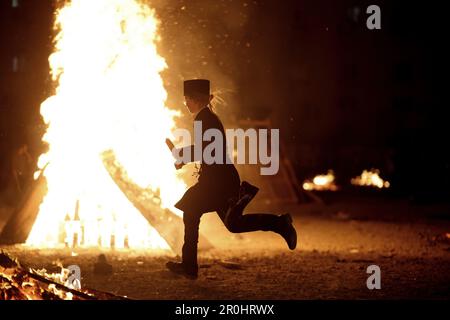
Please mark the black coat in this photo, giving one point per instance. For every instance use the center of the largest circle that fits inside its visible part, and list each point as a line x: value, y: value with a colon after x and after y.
x: 217, y: 182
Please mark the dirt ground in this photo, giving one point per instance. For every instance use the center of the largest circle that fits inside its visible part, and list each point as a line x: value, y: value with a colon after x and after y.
x: 337, y: 242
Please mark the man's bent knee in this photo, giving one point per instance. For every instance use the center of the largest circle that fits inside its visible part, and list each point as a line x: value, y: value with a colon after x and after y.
x: 233, y: 225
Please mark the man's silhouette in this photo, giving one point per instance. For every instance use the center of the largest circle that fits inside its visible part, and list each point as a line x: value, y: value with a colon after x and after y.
x: 218, y: 189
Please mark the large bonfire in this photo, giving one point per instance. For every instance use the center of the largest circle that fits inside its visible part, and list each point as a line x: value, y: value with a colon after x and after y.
x: 109, y: 95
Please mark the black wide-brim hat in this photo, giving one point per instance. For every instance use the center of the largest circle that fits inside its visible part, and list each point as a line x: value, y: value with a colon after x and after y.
x: 196, y: 87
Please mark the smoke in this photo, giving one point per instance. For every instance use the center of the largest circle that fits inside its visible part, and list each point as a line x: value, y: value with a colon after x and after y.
x: 203, y: 39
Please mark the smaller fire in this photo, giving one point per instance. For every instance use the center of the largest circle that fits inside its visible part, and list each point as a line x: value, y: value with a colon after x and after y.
x: 324, y: 182
x: 370, y: 179
x: 20, y: 283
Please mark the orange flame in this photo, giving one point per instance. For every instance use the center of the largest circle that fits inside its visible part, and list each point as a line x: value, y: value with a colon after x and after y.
x: 321, y: 182
x: 109, y: 95
x: 370, y: 179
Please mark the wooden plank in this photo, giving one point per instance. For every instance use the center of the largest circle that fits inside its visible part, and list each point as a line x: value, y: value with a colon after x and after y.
x: 169, y: 225
x: 22, y: 219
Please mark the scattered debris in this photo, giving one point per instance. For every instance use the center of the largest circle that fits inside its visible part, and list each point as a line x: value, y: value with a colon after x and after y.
x: 363, y: 261
x: 342, y: 260
x: 342, y: 215
x: 443, y: 238
x: 231, y: 265
x: 102, y: 266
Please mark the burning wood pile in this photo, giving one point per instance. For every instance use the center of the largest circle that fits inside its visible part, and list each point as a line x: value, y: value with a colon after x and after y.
x: 106, y: 71
x: 169, y: 226
x: 323, y: 182
x: 326, y: 182
x: 370, y: 178
x: 20, y: 283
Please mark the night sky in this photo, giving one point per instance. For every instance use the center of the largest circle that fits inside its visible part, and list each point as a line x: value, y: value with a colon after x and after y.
x: 344, y: 97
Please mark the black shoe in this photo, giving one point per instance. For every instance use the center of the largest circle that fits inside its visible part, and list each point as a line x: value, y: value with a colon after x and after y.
x: 179, y: 268
x: 288, y: 231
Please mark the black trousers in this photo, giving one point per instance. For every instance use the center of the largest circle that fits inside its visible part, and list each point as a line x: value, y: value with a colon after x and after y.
x: 210, y: 195
x: 235, y: 221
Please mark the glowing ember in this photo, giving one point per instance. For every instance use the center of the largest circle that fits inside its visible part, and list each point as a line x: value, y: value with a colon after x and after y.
x: 323, y: 182
x: 371, y: 179
x: 109, y: 96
